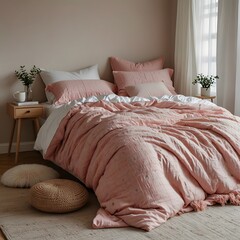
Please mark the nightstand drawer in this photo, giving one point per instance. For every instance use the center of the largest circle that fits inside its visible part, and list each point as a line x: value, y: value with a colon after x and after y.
x: 28, y: 113
x: 19, y: 113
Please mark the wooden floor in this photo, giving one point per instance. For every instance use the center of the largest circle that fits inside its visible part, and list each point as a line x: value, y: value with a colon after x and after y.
x: 7, y: 162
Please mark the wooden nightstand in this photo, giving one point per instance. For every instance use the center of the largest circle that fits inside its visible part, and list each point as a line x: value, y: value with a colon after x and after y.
x: 23, y: 112
x: 206, y: 97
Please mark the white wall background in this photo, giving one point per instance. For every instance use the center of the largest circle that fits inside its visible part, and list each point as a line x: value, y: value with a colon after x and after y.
x: 71, y: 34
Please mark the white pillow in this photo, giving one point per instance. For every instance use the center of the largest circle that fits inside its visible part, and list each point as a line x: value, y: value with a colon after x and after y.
x: 156, y: 89
x: 52, y: 76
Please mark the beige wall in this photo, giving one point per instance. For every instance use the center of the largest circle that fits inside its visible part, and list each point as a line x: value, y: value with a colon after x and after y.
x: 70, y: 34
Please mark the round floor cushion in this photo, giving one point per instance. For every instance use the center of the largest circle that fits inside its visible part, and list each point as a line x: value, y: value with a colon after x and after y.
x: 26, y: 175
x: 58, y: 196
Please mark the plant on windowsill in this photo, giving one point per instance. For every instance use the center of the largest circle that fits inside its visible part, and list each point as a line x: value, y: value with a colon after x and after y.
x: 27, y: 79
x: 206, y: 82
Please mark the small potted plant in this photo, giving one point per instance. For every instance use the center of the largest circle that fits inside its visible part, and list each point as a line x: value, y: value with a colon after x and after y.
x: 27, y: 78
x: 206, y: 82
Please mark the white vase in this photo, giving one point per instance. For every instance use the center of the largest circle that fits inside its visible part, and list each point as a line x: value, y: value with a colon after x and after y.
x: 206, y: 92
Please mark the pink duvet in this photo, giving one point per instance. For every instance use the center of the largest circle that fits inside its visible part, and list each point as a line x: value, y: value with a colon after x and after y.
x: 149, y: 161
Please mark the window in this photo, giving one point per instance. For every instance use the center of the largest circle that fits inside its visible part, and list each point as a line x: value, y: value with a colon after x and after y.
x: 206, y: 42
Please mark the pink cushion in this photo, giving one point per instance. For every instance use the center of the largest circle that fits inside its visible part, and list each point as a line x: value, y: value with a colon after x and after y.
x: 65, y: 91
x: 124, y: 79
x: 118, y: 64
x: 157, y: 89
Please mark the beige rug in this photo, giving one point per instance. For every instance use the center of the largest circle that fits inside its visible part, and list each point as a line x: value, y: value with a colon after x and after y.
x: 19, y: 221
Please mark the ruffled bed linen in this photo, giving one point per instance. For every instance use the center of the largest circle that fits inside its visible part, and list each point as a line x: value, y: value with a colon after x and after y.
x: 146, y: 159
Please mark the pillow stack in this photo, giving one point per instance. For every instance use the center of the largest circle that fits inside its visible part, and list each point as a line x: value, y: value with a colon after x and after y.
x: 63, y: 87
x: 142, y: 79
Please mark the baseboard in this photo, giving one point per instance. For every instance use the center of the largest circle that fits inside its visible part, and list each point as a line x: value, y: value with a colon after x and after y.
x: 24, y: 147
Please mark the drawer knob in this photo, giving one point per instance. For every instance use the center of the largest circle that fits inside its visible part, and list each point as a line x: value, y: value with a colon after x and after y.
x: 28, y: 111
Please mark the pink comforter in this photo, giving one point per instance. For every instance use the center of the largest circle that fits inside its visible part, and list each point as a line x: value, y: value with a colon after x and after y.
x: 149, y: 161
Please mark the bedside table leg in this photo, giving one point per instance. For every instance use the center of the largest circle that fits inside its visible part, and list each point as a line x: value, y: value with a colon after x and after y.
x: 36, y: 126
x: 11, y: 138
x: 18, y: 139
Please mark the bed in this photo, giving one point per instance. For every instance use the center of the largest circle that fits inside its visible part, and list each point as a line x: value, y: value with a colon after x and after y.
x: 146, y: 158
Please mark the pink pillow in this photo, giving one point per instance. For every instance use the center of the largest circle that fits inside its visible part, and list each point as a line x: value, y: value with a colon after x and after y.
x: 118, y: 64
x: 65, y: 91
x: 157, y: 89
x: 124, y: 79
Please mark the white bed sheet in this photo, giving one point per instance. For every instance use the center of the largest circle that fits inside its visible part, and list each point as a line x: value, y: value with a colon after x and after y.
x: 48, y: 109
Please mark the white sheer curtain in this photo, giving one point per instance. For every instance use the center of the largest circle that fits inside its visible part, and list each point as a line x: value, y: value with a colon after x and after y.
x: 185, y: 58
x: 228, y: 86
x: 195, y: 43
x: 206, y: 34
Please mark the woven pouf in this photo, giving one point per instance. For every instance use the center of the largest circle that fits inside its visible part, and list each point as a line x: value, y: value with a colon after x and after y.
x: 58, y: 196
